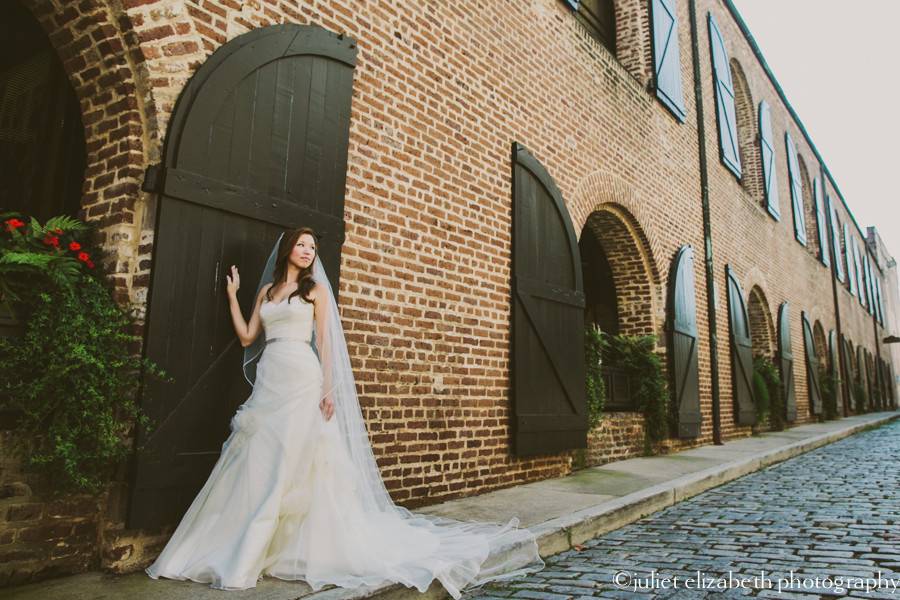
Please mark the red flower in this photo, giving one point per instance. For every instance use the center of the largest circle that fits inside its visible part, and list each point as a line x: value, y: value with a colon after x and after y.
x: 57, y: 230
x: 13, y: 224
x: 51, y: 240
x: 84, y: 256
x: 74, y: 246
x: 90, y: 264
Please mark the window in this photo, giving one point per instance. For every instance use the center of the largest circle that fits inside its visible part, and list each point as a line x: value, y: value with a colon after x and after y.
x: 599, y: 19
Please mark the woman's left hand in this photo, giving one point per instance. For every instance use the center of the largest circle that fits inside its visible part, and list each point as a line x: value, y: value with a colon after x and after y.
x: 327, y: 407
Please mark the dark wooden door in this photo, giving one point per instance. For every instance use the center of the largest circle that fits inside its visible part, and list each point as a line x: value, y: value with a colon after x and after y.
x: 257, y: 144
x: 741, y: 353
x: 786, y: 363
x: 547, y: 345
x: 683, y: 363
x: 812, y: 368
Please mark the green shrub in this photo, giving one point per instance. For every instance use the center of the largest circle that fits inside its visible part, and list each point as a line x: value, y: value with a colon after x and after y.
x: 72, y: 375
x: 636, y: 356
x: 828, y: 385
x: 860, y: 399
x: 596, y: 389
x: 767, y: 393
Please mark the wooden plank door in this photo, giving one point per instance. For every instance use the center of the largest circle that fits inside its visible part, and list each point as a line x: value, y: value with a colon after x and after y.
x: 257, y: 144
x: 547, y: 341
x: 683, y: 344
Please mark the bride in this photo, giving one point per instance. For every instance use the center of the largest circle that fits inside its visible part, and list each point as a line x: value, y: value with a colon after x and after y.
x: 296, y: 493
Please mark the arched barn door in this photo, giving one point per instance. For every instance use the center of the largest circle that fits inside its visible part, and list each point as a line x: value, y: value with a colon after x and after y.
x: 257, y: 144
x: 812, y: 368
x: 683, y: 344
x: 548, y: 370
x: 741, y: 352
x: 786, y: 363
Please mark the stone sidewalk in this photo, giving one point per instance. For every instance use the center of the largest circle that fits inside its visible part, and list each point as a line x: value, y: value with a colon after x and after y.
x: 563, y: 512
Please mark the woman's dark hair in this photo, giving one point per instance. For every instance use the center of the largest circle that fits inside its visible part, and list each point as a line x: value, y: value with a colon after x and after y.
x: 305, y: 282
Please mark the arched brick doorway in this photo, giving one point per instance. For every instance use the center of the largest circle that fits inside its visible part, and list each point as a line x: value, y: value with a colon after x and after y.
x: 620, y: 284
x: 101, y: 57
x: 762, y: 327
x: 620, y: 274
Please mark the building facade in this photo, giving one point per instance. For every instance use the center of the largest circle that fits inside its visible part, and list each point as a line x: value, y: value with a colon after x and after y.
x: 488, y: 178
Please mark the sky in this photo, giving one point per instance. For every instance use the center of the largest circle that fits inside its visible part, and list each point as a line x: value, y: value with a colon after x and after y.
x: 836, y: 63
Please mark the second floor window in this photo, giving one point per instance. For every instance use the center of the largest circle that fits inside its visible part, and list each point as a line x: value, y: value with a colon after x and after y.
x: 599, y: 18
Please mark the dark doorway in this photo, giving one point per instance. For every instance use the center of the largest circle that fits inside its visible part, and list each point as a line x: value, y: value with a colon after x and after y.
x: 599, y: 287
x: 42, y: 149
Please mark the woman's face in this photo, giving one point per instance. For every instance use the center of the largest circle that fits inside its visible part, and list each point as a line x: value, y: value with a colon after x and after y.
x: 304, y: 252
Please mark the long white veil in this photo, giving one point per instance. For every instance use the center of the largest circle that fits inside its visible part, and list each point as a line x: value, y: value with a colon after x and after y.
x: 471, y: 553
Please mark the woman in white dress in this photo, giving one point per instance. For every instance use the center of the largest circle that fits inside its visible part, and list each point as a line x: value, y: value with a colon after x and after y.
x: 296, y: 493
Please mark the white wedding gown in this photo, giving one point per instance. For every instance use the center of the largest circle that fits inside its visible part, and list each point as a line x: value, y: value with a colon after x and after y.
x: 282, y: 501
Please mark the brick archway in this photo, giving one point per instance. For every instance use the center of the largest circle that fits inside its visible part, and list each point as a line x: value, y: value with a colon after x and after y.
x: 631, y: 265
x: 762, y: 327
x: 102, y: 58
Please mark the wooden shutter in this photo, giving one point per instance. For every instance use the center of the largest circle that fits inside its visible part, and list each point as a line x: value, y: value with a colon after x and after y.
x: 683, y: 343
x: 848, y: 257
x: 741, y: 353
x: 860, y: 275
x: 821, y: 224
x: 835, y: 240
x: 879, y: 303
x: 786, y: 362
x: 848, y: 370
x: 833, y: 363
x: 867, y: 272
x: 725, y: 111
x: 548, y: 370
x: 257, y: 143
x: 767, y: 154
x: 667, y: 57
x: 796, y: 189
x: 812, y: 369
x: 861, y: 374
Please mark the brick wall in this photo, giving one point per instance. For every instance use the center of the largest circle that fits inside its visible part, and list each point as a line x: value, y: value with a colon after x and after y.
x: 440, y: 92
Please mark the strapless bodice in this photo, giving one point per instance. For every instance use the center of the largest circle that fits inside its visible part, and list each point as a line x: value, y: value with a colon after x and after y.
x: 285, y: 319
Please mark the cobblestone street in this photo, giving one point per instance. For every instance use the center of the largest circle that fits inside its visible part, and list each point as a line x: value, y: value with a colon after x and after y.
x: 823, y: 524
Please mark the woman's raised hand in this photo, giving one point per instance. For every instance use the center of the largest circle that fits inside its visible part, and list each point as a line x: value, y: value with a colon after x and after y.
x: 234, y: 282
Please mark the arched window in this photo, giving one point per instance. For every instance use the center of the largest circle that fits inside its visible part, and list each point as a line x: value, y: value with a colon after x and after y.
x: 751, y: 176
x: 42, y: 149
x: 809, y: 209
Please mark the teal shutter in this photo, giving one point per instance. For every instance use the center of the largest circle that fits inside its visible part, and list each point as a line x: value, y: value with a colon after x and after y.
x: 835, y: 240
x: 667, y: 57
x: 786, y: 363
x: 848, y: 257
x: 821, y: 225
x: 767, y: 154
x: 683, y: 344
x: 870, y: 289
x: 813, y: 386
x: 857, y: 270
x: 725, y: 112
x: 741, y: 353
x: 796, y: 189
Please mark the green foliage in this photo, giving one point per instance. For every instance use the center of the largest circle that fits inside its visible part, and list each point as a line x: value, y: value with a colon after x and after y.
x: 596, y: 389
x: 767, y: 393
x: 828, y: 385
x: 73, y: 373
x: 860, y: 398
x: 637, y: 358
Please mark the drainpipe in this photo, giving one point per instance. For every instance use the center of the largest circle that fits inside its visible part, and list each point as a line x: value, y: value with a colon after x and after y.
x: 707, y: 231
x: 879, y: 378
x: 835, y: 257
